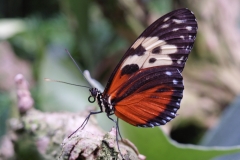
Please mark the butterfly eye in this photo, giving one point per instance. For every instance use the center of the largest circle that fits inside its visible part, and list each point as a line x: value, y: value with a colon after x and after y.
x: 91, y: 99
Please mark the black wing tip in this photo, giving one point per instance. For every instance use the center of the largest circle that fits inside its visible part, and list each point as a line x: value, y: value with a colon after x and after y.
x: 183, y: 11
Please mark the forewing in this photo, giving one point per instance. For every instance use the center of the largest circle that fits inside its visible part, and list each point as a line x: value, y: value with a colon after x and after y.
x: 166, y: 42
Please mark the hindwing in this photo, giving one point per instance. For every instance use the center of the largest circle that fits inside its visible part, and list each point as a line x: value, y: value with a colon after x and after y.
x: 150, y: 99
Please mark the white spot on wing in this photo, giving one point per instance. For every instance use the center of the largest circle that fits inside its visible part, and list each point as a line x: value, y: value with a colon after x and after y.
x: 180, y: 60
x: 165, y: 26
x: 175, y: 29
x: 177, y: 103
x: 151, y: 125
x: 168, y: 49
x: 178, y: 21
x: 166, y: 19
x: 138, y: 42
x: 182, y: 37
x: 175, y: 81
x: 165, y: 121
x: 148, y: 41
x: 152, y: 42
x: 175, y: 109
x: 168, y: 73
x: 168, y: 118
x: 189, y: 28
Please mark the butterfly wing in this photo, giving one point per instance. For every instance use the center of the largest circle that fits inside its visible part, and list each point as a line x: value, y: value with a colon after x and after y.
x: 146, y: 86
x: 150, y: 99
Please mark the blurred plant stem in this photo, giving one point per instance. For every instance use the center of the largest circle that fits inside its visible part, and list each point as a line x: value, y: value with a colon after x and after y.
x: 79, y: 24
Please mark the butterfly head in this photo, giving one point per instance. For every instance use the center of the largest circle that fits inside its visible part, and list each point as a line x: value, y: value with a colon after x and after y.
x: 94, y: 93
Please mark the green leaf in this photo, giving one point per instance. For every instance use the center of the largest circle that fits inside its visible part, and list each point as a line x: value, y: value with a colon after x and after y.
x: 154, y: 144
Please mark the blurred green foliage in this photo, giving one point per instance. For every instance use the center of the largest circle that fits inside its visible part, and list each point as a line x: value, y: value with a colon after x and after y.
x: 5, y: 103
x: 154, y: 144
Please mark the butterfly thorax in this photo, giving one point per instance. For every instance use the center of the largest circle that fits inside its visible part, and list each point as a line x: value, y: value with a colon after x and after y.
x: 102, y: 101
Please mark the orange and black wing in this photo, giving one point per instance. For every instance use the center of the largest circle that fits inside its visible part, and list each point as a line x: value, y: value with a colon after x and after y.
x: 152, y: 98
x: 146, y: 87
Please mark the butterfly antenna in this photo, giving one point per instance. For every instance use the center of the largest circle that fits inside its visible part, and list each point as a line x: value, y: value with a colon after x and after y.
x: 51, y: 80
x: 77, y: 66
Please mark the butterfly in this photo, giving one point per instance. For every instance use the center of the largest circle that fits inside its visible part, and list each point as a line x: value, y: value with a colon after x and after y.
x: 146, y: 87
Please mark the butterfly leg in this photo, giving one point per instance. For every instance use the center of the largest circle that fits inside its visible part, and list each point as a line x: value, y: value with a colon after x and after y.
x: 86, y: 121
x: 117, y: 132
x: 117, y: 124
